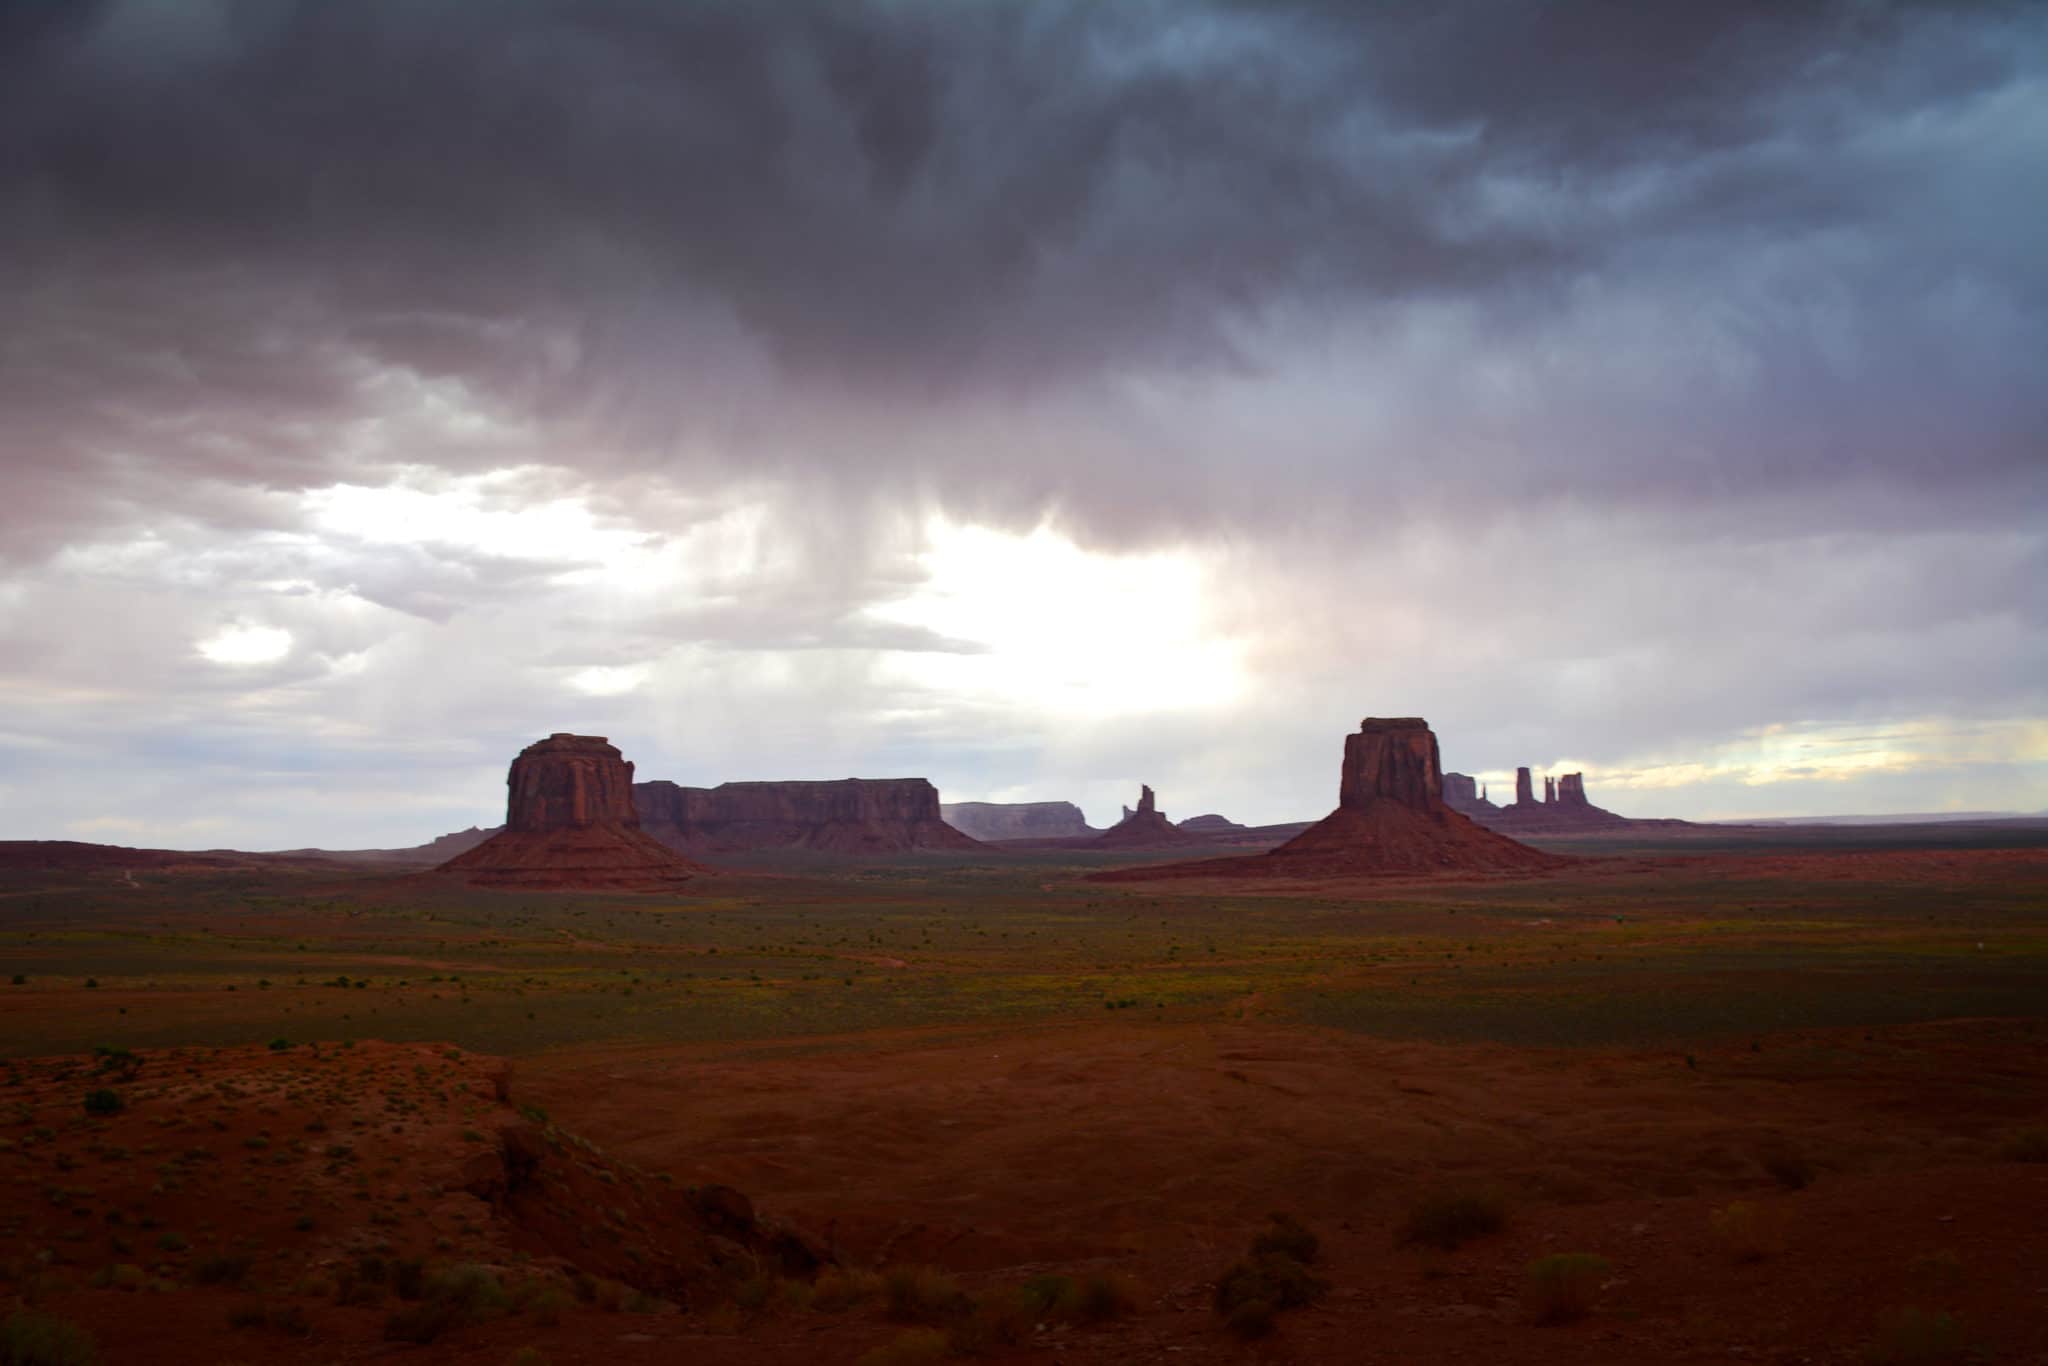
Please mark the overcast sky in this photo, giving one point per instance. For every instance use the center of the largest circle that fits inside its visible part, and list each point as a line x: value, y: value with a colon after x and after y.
x: 1039, y: 398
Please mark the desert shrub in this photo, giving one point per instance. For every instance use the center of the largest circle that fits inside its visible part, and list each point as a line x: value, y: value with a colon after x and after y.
x: 21, y: 979
x: 1052, y: 1296
x: 409, y: 1278
x: 1108, y: 1295
x: 473, y: 1290
x: 422, y: 1323
x: 29, y: 1338
x: 1002, y: 1319
x: 918, y: 1347
x: 288, y: 1319
x: 1252, y: 1292
x: 549, y: 1304
x: 1788, y: 1169
x: 1915, y: 1337
x: 529, y: 1356
x: 221, y: 1270
x: 1285, y: 1235
x: 1449, y: 1218
x: 172, y: 1242
x: 280, y: 1045
x: 2027, y: 1145
x: 104, y: 1101
x: 838, y: 1288
x: 923, y: 1294
x: 1562, y: 1287
x: 1746, y: 1232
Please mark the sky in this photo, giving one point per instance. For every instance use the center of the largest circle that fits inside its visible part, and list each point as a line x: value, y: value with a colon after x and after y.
x: 1037, y: 398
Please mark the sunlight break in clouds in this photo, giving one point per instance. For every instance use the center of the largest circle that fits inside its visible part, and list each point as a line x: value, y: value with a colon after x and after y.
x: 1066, y: 630
x: 241, y: 644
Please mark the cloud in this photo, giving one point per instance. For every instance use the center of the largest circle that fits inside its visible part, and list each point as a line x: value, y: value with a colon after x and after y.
x: 1603, y: 382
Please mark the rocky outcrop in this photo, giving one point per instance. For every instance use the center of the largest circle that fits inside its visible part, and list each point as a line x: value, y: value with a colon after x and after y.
x: 1210, y: 824
x: 566, y: 781
x: 1391, y: 819
x: 570, y: 823
x: 847, y: 816
x: 1563, y: 810
x: 1525, y: 793
x: 1466, y: 794
x: 1143, y: 827
x: 1392, y: 759
x: 1017, y: 820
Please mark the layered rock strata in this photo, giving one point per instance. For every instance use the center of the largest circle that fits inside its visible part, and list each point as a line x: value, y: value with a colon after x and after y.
x: 847, y: 815
x: 1017, y: 820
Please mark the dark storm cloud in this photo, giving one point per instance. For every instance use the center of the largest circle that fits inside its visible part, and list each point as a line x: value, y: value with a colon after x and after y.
x: 231, y: 215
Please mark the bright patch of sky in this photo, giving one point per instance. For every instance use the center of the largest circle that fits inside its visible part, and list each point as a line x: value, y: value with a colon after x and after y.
x: 1065, y: 630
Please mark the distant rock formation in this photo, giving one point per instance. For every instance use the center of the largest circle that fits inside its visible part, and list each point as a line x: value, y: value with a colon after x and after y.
x: 1211, y: 824
x: 1017, y: 820
x: 1146, y: 827
x: 1525, y: 794
x: 570, y: 823
x: 846, y: 816
x: 1467, y: 796
x: 1391, y: 818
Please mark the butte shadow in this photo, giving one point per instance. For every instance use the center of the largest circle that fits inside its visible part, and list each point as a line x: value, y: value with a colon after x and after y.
x: 1391, y: 820
x: 570, y: 825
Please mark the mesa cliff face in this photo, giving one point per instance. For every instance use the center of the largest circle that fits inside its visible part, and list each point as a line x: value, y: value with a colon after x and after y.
x: 1391, y: 818
x: 566, y: 781
x: 570, y: 823
x: 849, y: 815
x: 1016, y: 820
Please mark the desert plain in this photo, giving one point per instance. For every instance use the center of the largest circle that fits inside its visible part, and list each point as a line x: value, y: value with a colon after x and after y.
x: 1763, y: 1095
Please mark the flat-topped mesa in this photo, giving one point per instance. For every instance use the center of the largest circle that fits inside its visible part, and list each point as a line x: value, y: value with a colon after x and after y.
x: 1016, y: 820
x: 1571, y: 790
x: 1392, y: 759
x: 568, y: 781
x: 843, y: 815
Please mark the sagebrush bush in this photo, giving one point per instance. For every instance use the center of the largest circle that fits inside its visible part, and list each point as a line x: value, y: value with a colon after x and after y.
x: 1250, y: 1293
x: 1447, y: 1219
x: 923, y: 1294
x: 1563, y: 1286
x: 1285, y: 1234
x: 30, y: 1338
x: 839, y: 1288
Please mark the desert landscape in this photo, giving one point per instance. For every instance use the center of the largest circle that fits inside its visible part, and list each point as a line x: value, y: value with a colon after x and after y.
x: 1075, y: 682
x: 1397, y: 1088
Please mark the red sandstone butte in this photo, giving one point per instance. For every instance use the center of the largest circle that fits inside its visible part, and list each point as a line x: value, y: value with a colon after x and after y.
x: 1391, y: 819
x: 570, y: 823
